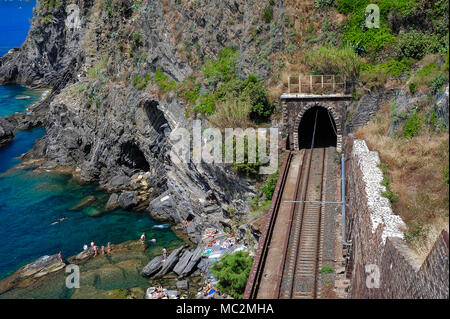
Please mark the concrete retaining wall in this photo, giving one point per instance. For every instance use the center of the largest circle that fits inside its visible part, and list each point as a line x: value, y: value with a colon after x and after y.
x: 380, y: 263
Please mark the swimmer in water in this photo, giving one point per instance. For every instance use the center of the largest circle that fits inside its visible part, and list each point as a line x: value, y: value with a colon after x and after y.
x: 59, y: 220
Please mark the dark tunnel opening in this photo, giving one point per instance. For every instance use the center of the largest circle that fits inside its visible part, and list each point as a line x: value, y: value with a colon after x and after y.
x: 325, y: 128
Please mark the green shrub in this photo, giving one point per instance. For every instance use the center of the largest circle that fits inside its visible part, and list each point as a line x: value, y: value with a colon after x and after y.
x: 389, y: 194
x: 206, y: 105
x: 139, y: 82
x: 164, y: 83
x: 232, y: 271
x: 221, y: 69
x: 412, y: 126
x: 257, y: 94
x: 330, y: 60
x: 326, y: 270
x: 417, y: 231
x: 377, y: 74
x: 269, y: 188
x: 267, y: 14
x: 247, y: 169
x: 412, y: 87
x: 416, y: 44
x: 446, y: 175
x: 438, y: 81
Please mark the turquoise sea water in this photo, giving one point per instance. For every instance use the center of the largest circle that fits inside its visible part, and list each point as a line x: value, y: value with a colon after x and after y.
x: 30, y: 202
x: 8, y: 93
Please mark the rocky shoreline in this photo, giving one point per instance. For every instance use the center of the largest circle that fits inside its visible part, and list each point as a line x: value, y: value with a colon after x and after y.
x: 183, y: 273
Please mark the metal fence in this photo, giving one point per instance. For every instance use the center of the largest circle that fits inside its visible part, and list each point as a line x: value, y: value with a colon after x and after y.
x: 317, y: 84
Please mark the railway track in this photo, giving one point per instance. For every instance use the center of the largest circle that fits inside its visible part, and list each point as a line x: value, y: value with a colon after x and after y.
x: 290, y: 250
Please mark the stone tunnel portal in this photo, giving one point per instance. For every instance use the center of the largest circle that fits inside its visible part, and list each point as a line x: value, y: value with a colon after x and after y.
x: 320, y: 119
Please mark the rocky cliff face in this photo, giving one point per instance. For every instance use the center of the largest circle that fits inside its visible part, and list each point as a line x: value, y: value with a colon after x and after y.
x: 98, y: 120
x: 51, y: 48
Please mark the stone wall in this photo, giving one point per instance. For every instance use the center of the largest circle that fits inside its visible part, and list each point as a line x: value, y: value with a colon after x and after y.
x: 376, y: 237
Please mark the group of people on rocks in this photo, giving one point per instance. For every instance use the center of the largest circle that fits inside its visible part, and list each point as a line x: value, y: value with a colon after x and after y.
x: 94, y: 247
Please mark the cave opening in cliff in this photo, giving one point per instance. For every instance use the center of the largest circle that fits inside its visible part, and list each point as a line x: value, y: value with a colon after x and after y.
x: 155, y: 116
x: 325, y: 128
x: 132, y: 157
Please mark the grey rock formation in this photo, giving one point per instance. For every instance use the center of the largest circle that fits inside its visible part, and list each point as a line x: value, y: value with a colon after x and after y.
x: 368, y: 106
x: 128, y: 199
x: 191, y: 266
x: 52, y: 47
x: 170, y: 262
x: 182, y: 263
x: 113, y: 202
x: 152, y: 267
x: 6, y: 132
x: 442, y: 107
x: 118, y: 182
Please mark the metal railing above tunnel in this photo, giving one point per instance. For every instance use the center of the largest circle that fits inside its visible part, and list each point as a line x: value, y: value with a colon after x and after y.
x: 317, y: 86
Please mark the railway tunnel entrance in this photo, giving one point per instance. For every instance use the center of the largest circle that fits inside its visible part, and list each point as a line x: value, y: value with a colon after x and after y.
x: 318, y: 122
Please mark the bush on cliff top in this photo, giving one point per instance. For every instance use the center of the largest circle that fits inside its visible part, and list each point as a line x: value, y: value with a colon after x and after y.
x: 232, y: 271
x: 331, y: 60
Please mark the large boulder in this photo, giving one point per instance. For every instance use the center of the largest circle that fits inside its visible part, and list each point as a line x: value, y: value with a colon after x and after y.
x: 128, y: 199
x: 182, y: 263
x: 190, y: 267
x: 152, y: 267
x: 6, y: 132
x: 170, y: 262
x: 118, y: 182
x: 113, y: 202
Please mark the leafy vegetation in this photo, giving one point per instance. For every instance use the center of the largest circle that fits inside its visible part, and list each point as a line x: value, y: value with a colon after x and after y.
x: 331, y: 60
x: 412, y: 125
x: 326, y: 270
x: 139, y: 82
x: 232, y: 271
x: 164, y: 83
x: 268, y: 14
x: 269, y: 188
x: 389, y: 194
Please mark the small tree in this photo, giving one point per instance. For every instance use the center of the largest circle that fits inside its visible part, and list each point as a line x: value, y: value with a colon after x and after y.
x: 232, y: 271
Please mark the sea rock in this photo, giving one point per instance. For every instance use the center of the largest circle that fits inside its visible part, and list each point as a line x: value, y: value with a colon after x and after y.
x: 182, y: 263
x: 170, y: 262
x: 85, y: 202
x: 113, y: 202
x: 190, y: 267
x: 44, y: 265
x: 128, y: 199
x: 6, y: 132
x: 152, y: 267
